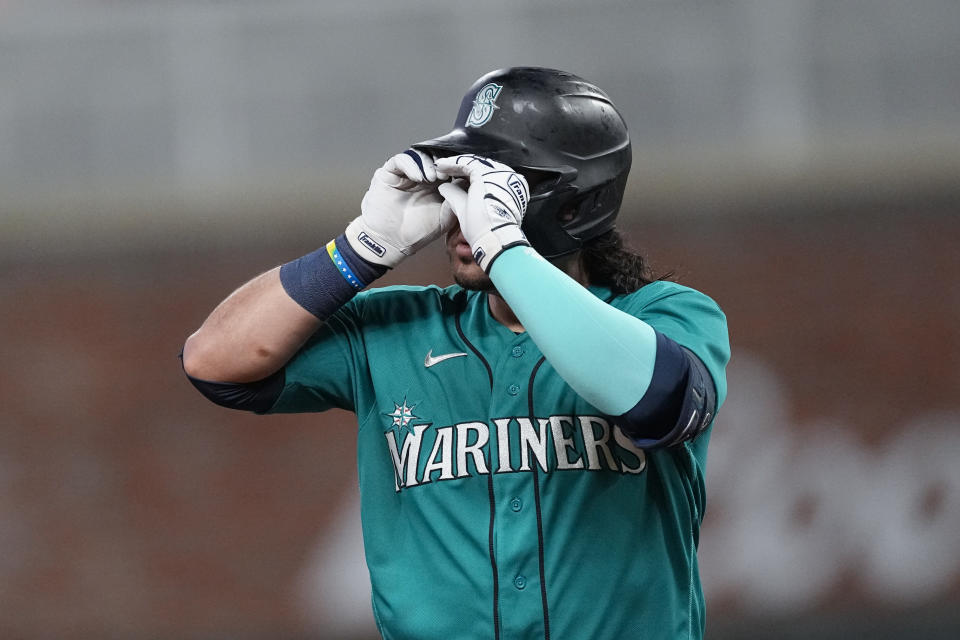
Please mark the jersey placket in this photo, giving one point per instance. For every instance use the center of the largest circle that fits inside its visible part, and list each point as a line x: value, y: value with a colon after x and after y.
x: 516, y: 531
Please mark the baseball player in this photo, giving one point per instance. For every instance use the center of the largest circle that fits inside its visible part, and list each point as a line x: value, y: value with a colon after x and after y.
x: 532, y: 440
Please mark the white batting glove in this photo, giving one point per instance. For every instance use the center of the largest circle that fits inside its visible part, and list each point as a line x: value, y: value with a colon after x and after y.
x: 491, y: 207
x: 401, y: 211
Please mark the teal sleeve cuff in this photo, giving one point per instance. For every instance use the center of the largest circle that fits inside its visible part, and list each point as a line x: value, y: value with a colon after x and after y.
x: 605, y: 355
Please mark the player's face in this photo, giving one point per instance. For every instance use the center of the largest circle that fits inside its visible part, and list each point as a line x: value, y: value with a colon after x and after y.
x: 466, y: 272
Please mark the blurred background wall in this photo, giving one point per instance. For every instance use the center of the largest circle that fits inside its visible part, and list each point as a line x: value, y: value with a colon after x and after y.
x: 799, y: 160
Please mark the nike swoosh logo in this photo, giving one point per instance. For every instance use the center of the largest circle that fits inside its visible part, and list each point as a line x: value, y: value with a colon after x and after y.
x: 431, y: 359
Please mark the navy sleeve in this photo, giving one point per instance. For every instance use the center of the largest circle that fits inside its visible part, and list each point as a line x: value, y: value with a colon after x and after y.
x: 679, y: 403
x: 256, y: 396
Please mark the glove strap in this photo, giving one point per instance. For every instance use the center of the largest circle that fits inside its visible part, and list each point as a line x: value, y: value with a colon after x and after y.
x: 370, y: 246
x: 491, y: 244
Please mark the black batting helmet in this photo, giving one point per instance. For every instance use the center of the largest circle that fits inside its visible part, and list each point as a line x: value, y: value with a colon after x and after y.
x: 563, y: 134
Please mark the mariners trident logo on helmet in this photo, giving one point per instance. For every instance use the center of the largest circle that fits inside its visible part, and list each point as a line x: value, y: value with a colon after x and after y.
x: 483, y: 105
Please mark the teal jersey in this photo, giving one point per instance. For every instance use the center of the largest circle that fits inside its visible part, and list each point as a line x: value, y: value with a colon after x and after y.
x: 496, y: 503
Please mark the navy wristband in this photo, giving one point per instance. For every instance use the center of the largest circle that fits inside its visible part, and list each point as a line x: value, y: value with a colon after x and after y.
x: 323, y: 280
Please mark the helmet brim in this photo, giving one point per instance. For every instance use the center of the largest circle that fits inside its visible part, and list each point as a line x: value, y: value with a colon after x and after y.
x: 461, y: 141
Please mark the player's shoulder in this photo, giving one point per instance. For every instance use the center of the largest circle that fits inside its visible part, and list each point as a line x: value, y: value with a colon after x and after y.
x: 398, y: 300
x: 665, y: 296
x: 406, y: 292
x: 689, y: 317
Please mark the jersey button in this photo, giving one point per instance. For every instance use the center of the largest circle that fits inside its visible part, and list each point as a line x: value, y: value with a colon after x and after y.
x: 516, y: 504
x: 513, y: 389
x: 517, y: 351
x: 520, y: 582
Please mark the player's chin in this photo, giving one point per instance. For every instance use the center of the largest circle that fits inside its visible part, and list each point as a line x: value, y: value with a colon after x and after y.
x: 473, y: 280
x: 468, y: 273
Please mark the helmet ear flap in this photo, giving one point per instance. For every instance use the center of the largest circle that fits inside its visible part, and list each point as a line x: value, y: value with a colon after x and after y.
x: 548, y: 181
x: 593, y: 213
x: 540, y: 181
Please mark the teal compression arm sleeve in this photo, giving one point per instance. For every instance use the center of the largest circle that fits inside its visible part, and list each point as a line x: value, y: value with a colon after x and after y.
x: 607, y: 356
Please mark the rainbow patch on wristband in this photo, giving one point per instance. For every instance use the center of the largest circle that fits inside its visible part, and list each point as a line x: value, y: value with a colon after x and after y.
x: 342, y: 266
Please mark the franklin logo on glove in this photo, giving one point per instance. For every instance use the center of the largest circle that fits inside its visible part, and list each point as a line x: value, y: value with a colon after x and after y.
x: 516, y: 183
x: 371, y: 244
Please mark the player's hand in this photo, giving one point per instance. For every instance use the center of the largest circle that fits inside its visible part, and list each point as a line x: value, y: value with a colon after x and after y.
x: 401, y: 211
x: 489, y: 199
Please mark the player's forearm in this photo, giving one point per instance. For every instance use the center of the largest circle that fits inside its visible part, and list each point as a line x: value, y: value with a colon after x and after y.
x: 604, y: 354
x: 250, y: 335
x: 260, y: 326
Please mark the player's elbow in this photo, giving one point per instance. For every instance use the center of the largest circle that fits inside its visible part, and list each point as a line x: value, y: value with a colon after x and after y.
x: 679, y: 404
x: 207, y: 357
x: 210, y: 380
x: 196, y: 358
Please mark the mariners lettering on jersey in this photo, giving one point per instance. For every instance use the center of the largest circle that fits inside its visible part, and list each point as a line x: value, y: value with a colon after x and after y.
x: 557, y: 443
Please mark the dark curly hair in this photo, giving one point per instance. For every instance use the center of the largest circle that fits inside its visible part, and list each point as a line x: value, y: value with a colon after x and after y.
x: 608, y: 262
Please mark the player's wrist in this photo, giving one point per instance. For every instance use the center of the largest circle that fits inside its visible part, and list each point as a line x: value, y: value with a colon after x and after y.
x: 491, y: 243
